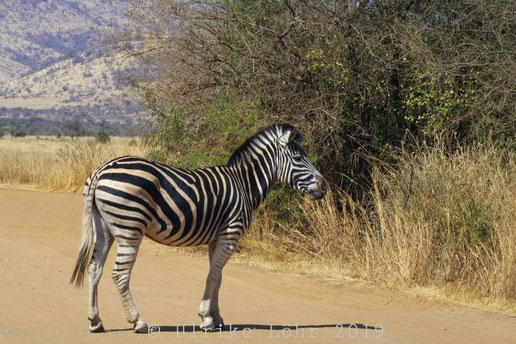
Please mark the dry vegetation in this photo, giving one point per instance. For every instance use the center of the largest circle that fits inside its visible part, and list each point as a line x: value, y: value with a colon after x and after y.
x: 58, y: 62
x: 89, y: 78
x: 438, y: 224
x: 57, y: 164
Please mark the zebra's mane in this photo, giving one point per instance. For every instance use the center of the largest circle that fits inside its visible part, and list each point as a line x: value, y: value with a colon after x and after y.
x: 275, y: 130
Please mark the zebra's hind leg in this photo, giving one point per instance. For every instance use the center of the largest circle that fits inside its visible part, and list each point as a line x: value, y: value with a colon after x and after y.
x: 103, y: 242
x: 209, y: 309
x: 127, y: 250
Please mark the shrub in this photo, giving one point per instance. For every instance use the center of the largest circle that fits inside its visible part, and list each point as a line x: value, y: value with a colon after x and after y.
x: 18, y: 132
x: 78, y: 159
x: 354, y: 77
x: 102, y: 136
x: 207, y: 140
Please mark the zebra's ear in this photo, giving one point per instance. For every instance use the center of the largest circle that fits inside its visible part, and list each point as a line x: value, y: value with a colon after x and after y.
x: 295, y: 136
x: 290, y: 136
x: 284, y: 139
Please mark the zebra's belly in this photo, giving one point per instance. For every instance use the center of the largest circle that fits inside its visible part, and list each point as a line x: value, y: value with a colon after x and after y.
x: 183, y: 235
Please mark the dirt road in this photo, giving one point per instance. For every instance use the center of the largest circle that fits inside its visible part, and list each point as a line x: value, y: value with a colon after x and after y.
x: 39, y: 237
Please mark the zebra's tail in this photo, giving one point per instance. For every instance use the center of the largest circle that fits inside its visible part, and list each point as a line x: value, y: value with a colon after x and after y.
x: 87, y: 240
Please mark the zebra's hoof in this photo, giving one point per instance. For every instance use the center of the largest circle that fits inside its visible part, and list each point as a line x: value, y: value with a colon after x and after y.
x: 207, y: 324
x: 98, y: 328
x: 218, y: 322
x: 140, y: 326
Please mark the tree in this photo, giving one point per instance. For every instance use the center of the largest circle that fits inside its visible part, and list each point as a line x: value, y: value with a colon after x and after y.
x: 73, y: 127
x: 354, y: 77
x: 17, y: 131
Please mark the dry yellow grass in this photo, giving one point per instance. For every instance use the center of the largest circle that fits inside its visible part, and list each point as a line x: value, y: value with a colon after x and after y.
x: 57, y: 164
x: 438, y: 225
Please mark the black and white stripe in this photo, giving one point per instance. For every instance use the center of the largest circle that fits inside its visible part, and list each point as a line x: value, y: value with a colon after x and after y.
x: 128, y: 198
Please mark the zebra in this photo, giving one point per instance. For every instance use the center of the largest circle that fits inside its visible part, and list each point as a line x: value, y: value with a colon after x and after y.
x: 128, y: 198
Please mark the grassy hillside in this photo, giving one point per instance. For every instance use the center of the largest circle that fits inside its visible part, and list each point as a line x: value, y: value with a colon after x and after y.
x: 92, y: 76
x: 93, y: 86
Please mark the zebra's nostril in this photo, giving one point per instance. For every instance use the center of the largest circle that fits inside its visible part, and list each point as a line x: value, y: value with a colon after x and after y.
x: 322, y: 184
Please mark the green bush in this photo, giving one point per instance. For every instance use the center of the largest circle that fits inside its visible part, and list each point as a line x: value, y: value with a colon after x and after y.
x: 207, y: 140
x: 102, y: 136
x: 17, y: 132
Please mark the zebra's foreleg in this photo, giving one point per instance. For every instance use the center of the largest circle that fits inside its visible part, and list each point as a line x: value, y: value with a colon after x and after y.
x: 221, y: 254
x: 218, y: 322
x: 103, y: 240
x: 126, y: 256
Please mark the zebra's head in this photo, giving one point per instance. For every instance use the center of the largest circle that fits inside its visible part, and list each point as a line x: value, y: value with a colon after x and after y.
x: 295, y: 168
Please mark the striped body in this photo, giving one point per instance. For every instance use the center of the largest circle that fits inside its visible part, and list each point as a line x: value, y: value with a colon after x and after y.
x: 129, y: 197
x: 170, y: 205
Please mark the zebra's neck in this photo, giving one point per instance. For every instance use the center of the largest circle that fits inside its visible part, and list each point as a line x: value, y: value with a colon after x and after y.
x: 256, y: 170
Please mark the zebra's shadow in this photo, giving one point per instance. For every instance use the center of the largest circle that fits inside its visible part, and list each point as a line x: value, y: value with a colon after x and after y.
x: 246, y: 327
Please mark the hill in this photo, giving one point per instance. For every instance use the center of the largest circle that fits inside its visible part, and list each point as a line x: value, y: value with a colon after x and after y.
x: 58, y: 64
x: 37, y: 33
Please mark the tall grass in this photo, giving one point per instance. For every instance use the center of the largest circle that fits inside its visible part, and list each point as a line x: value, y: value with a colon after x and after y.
x: 58, y: 164
x: 78, y: 159
x: 434, y: 220
x: 448, y: 219
x: 25, y: 160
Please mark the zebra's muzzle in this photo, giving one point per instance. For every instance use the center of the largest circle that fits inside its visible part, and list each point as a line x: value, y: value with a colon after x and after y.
x: 320, y: 190
x: 315, y: 194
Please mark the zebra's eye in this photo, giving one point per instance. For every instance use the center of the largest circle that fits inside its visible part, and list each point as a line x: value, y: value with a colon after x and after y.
x: 297, y: 157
